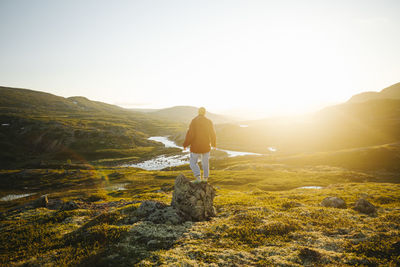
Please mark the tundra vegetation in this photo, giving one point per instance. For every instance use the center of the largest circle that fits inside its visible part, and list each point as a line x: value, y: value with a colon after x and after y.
x: 263, y: 218
x: 72, y: 150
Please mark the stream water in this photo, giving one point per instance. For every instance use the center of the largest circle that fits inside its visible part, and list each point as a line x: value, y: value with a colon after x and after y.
x: 310, y: 187
x: 163, y: 161
x: 15, y: 196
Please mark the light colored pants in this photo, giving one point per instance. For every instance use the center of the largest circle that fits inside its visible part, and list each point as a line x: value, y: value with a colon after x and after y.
x: 194, y: 157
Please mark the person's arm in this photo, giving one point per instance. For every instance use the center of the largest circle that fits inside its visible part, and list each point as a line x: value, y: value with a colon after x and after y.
x: 189, y: 136
x: 213, y: 136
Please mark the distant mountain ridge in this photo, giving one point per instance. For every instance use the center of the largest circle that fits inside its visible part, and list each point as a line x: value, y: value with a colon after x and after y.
x: 391, y: 92
x: 186, y: 114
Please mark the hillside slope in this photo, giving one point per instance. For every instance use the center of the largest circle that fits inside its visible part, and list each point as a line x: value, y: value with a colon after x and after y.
x: 37, y: 126
x: 344, y: 126
x: 391, y: 92
x: 186, y: 113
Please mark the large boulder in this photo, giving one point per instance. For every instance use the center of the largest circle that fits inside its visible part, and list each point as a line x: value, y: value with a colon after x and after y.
x: 364, y: 206
x: 193, y: 200
x: 334, y: 202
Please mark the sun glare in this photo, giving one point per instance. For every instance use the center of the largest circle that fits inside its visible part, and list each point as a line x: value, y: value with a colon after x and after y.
x: 266, y: 57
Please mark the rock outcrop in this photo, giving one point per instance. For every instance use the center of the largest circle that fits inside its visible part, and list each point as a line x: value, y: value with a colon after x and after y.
x: 193, y: 200
x: 334, y: 202
x: 158, y: 212
x: 190, y: 202
x: 364, y: 206
x: 157, y: 236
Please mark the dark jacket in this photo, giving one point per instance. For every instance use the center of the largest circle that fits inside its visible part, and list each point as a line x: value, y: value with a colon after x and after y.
x: 201, y: 135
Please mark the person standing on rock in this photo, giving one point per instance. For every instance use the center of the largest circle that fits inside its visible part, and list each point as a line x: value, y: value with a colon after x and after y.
x: 200, y: 137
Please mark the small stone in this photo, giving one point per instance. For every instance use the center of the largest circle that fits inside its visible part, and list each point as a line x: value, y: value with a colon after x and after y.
x: 70, y: 205
x: 55, y: 204
x: 40, y: 202
x: 309, y: 256
x: 364, y: 206
x: 334, y: 202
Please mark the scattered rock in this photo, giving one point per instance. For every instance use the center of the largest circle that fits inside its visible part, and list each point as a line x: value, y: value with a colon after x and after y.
x: 334, y: 202
x: 55, y: 204
x: 58, y: 204
x: 309, y: 256
x: 40, y: 202
x: 158, y: 212
x: 168, y: 215
x: 69, y: 205
x: 193, y: 200
x: 364, y: 206
x: 148, y: 207
x: 155, y: 236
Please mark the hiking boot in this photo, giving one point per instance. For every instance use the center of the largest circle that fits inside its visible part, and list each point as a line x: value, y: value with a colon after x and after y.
x: 198, y: 180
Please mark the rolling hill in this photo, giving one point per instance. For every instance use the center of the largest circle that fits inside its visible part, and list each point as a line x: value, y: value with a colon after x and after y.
x: 391, y: 92
x: 38, y: 127
x: 185, y: 114
x: 349, y: 125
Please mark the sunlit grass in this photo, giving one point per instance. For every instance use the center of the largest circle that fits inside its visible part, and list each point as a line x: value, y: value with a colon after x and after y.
x: 262, y: 218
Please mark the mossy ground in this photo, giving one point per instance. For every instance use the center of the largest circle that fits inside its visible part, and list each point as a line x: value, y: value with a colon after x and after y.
x: 262, y: 219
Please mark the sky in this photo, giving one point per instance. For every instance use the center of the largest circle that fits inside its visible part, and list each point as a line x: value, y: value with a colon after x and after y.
x: 263, y: 58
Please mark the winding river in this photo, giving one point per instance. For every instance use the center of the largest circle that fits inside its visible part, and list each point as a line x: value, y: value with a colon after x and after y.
x: 15, y: 196
x: 163, y: 161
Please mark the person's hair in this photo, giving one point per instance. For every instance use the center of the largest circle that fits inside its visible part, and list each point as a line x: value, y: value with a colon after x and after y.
x: 202, y: 111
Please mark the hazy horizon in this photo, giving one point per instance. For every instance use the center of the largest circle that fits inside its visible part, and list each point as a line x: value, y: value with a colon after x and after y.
x: 239, y: 57
x: 235, y: 113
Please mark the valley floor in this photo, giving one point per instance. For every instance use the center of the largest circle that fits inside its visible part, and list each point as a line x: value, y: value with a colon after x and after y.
x: 263, y: 219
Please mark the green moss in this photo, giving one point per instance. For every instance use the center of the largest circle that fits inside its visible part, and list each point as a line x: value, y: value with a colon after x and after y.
x: 380, y: 246
x: 253, y: 226
x: 97, y: 235
x: 96, y: 197
x: 256, y: 234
